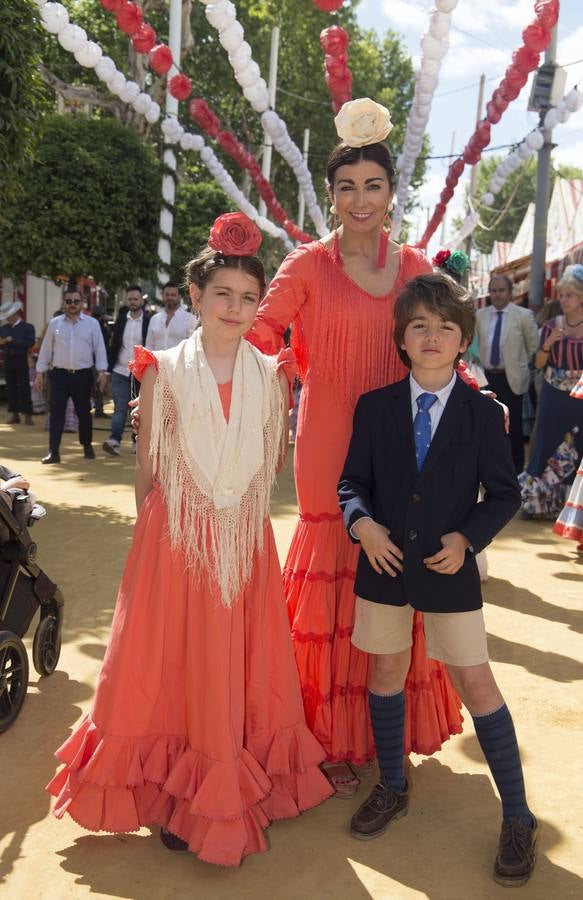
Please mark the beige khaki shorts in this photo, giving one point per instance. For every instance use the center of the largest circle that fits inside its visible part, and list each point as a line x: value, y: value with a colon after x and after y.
x: 458, y: 639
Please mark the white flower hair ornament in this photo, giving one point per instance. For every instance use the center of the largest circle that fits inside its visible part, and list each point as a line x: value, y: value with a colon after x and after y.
x: 363, y: 121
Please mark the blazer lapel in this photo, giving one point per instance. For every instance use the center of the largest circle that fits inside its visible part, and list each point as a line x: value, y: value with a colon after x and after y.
x: 448, y: 427
x: 400, y: 420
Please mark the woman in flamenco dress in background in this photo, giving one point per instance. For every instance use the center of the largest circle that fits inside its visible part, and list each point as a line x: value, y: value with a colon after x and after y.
x: 339, y: 293
x: 197, y: 724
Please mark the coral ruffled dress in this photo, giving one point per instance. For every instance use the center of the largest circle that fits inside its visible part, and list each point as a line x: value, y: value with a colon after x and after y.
x: 197, y: 723
x: 343, y: 340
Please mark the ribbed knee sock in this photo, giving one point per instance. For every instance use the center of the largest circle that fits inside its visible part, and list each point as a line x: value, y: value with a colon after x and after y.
x: 497, y: 738
x: 387, y: 714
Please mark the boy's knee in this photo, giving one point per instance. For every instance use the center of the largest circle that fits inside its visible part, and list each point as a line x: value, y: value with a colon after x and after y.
x: 387, y: 672
x: 477, y: 688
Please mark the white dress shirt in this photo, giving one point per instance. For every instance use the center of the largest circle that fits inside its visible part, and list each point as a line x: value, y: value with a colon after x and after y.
x: 72, y: 345
x: 132, y: 335
x: 491, y: 329
x: 162, y: 336
x: 435, y: 413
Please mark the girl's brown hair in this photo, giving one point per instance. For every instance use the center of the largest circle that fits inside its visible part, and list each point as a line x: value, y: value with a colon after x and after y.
x: 439, y: 294
x: 200, y: 270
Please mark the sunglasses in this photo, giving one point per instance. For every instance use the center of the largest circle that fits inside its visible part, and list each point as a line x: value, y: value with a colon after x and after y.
x: 70, y: 302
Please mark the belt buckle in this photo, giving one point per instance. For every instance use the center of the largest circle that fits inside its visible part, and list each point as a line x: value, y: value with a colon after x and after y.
x: 71, y: 371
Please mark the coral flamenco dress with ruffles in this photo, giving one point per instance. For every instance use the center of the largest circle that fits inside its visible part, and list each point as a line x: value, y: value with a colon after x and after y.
x: 343, y: 341
x: 197, y: 724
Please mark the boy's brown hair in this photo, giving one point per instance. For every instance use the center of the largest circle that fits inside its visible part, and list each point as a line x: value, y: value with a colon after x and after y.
x: 439, y: 294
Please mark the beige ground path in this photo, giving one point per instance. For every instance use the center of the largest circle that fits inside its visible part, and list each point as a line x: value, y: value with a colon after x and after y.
x: 443, y: 850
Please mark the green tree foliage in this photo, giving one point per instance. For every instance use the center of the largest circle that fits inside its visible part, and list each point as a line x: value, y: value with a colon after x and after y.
x: 504, y: 218
x: 88, y: 205
x: 22, y: 95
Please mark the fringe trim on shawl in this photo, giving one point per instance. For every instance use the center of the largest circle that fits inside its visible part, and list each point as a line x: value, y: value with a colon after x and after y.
x: 352, y: 346
x: 221, y: 541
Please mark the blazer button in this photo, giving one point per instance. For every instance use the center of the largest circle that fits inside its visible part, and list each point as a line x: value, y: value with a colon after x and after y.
x: 412, y: 535
x: 416, y: 498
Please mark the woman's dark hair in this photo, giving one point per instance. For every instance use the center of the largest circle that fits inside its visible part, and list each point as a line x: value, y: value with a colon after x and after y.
x: 201, y: 269
x: 343, y: 155
x: 437, y: 293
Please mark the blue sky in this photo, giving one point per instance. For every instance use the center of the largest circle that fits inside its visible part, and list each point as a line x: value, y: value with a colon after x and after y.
x: 483, y: 35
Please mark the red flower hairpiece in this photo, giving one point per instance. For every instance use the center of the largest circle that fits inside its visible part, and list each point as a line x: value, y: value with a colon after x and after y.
x: 234, y: 234
x: 441, y: 258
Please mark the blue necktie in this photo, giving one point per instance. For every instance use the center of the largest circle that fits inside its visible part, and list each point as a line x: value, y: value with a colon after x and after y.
x: 495, y: 350
x: 422, y: 427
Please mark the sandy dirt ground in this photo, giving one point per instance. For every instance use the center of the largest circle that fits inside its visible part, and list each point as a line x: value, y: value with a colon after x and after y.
x: 443, y: 850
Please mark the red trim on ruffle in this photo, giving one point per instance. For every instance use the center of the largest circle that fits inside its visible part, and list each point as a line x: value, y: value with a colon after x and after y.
x: 571, y: 532
x: 320, y: 517
x: 304, y: 575
x: 142, y: 359
x: 306, y: 637
x: 337, y: 690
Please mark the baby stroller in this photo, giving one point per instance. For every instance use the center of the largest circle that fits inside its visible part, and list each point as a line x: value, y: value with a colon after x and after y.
x: 24, y: 588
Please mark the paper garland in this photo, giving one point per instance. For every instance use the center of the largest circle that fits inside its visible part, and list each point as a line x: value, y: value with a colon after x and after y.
x: 55, y: 18
x: 334, y: 42
x: 434, y: 47
x: 536, y: 38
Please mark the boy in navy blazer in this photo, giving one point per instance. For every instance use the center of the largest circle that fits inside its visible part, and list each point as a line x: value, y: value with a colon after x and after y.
x: 420, y: 450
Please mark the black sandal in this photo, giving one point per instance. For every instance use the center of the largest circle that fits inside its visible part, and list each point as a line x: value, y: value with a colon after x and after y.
x: 172, y: 841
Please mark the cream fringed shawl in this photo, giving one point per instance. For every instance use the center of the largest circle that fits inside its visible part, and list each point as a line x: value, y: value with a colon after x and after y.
x: 216, y: 476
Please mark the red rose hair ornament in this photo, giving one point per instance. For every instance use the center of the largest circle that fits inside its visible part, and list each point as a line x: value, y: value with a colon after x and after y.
x: 234, y: 234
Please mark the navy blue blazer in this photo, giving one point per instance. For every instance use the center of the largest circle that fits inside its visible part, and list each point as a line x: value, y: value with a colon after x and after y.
x: 380, y: 479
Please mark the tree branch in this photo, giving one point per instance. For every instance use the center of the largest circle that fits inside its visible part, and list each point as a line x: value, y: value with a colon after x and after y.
x: 78, y: 92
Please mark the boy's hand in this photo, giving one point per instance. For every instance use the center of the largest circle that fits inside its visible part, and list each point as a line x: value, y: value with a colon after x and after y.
x: 382, y: 554
x: 450, y: 558
x: 134, y: 405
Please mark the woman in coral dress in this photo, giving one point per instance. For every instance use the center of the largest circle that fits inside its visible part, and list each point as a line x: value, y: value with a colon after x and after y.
x: 197, y: 724
x: 339, y: 293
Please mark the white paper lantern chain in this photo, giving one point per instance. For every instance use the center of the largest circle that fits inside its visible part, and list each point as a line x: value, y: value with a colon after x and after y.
x: 434, y: 46
x: 222, y: 15
x: 55, y: 19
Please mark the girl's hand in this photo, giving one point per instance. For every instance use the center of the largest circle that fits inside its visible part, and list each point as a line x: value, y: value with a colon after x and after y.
x: 134, y: 405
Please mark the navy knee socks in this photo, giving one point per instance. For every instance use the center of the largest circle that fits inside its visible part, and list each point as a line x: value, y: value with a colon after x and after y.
x: 387, y: 713
x: 497, y: 738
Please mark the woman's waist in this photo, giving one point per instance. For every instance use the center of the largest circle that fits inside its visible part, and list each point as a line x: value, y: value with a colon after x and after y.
x: 562, y: 379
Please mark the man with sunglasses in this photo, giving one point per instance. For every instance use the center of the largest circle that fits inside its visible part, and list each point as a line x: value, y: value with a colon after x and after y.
x: 72, y: 346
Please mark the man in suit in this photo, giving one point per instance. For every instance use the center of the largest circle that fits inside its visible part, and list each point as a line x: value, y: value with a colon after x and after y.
x: 419, y: 451
x: 507, y: 338
x: 16, y: 339
x: 131, y: 328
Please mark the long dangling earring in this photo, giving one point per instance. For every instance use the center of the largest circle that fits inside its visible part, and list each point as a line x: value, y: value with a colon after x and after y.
x: 336, y: 256
x: 384, y: 241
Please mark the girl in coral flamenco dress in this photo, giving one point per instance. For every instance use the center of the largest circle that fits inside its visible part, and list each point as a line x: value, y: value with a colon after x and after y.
x: 197, y: 724
x: 339, y: 293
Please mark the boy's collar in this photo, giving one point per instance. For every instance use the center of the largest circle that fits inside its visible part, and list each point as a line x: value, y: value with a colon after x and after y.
x: 442, y: 394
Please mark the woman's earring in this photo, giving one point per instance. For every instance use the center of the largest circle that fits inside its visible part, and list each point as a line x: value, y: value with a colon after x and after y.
x: 333, y: 209
x: 384, y: 241
x: 336, y: 256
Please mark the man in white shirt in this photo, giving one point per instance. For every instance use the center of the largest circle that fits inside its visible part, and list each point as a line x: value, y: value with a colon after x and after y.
x: 72, y: 345
x: 131, y: 328
x: 173, y: 324
x: 508, y: 338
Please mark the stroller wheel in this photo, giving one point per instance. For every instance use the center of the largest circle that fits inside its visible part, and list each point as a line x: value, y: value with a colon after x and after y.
x: 13, y: 677
x: 46, y: 646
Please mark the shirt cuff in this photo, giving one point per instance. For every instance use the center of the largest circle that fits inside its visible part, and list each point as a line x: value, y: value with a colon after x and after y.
x: 352, y: 534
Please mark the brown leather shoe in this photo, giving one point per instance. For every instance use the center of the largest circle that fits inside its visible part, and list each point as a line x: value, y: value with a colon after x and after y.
x: 516, y: 853
x: 375, y: 815
x: 14, y: 419
x: 172, y: 841
x: 51, y: 457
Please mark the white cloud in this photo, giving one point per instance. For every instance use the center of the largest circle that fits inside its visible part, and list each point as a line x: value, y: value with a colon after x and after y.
x: 405, y: 15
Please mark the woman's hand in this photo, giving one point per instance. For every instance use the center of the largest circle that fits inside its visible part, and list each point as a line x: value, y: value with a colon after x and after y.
x: 556, y: 334
x: 17, y: 482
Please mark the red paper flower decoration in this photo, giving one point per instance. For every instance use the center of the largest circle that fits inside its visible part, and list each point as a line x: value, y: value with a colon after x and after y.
x: 234, y: 234
x: 180, y: 86
x: 144, y: 39
x: 547, y: 13
x: 441, y: 258
x: 112, y: 5
x: 204, y: 116
x: 526, y: 60
x: 536, y: 37
x: 338, y: 77
x: 493, y: 113
x: 334, y: 40
x: 328, y: 5
x: 129, y: 17
x: 161, y: 59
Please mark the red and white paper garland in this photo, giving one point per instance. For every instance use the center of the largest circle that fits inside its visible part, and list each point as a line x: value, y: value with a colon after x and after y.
x: 222, y: 15
x: 334, y: 42
x: 434, y: 47
x: 173, y: 131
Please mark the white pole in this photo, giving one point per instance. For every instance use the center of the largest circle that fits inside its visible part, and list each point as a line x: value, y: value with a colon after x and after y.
x: 266, y: 161
x: 168, y: 182
x: 301, y: 198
